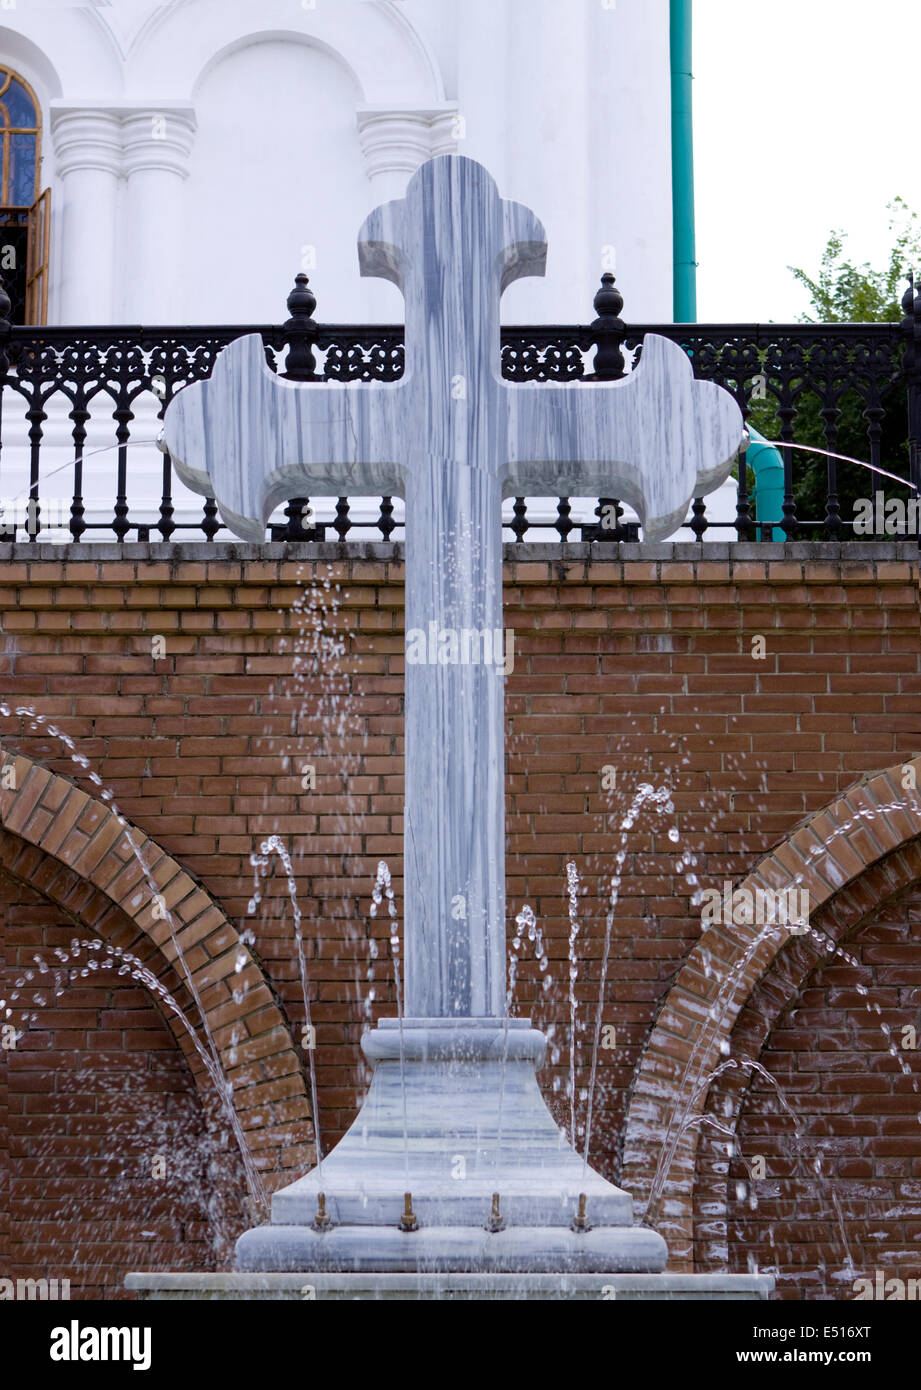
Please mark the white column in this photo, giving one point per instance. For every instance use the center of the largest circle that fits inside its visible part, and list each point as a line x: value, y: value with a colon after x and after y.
x: 395, y: 142
x: 157, y: 145
x: 87, y: 146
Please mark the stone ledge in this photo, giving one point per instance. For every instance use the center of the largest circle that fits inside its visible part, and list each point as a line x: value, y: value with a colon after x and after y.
x: 547, y: 551
x: 597, y: 1287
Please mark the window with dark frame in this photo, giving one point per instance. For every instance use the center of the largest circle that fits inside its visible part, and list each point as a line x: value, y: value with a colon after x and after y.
x: 24, y: 211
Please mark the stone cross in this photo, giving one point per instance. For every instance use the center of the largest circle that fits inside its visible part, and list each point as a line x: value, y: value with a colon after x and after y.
x: 452, y: 437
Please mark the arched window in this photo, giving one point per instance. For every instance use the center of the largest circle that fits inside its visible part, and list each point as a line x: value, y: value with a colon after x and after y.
x: 24, y: 211
x: 21, y: 128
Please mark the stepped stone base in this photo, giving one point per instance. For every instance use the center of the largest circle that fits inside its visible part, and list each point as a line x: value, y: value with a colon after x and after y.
x: 598, y: 1287
x: 503, y: 1206
x: 454, y: 1249
x: 454, y: 1117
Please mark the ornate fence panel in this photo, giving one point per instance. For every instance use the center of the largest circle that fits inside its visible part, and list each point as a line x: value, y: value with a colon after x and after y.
x: 80, y: 410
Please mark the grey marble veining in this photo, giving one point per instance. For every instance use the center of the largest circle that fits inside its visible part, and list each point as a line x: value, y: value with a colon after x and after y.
x: 452, y: 437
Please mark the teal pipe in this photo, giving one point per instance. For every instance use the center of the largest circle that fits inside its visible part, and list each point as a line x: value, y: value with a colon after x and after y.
x: 684, y: 253
x: 767, y: 465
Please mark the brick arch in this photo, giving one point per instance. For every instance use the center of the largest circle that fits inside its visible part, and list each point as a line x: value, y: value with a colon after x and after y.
x: 839, y: 921
x: 826, y: 853
x: 73, y: 849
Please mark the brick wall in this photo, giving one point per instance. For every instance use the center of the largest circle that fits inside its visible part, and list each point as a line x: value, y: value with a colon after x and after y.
x: 836, y: 1022
x: 857, y: 1112
x: 111, y: 1160
x: 643, y: 661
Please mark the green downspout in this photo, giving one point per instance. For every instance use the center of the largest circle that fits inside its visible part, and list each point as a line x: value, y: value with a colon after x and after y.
x: 765, y: 461
x: 684, y: 255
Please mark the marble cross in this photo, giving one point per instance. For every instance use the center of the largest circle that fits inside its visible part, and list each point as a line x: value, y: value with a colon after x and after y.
x: 452, y: 437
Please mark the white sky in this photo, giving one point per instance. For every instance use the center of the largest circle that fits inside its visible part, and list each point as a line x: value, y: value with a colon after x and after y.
x: 807, y: 115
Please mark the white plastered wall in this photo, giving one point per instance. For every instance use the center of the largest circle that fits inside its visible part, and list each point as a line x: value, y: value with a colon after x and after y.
x: 200, y: 152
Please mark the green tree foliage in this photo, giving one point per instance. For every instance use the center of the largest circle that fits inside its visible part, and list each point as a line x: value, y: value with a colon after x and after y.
x: 844, y: 292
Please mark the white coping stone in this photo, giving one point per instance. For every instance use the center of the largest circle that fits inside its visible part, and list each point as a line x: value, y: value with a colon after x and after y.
x: 597, y: 1287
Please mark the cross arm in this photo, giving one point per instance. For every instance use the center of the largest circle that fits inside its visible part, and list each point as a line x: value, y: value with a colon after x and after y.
x: 656, y: 439
x: 250, y: 439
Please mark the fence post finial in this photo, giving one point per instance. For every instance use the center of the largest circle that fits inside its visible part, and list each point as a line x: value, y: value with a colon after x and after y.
x: 300, y: 332
x: 609, y: 331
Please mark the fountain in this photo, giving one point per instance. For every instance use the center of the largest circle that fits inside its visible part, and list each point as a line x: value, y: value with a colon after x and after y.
x: 454, y: 1179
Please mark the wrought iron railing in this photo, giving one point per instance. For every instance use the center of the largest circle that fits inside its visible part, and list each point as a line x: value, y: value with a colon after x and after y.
x: 852, y: 390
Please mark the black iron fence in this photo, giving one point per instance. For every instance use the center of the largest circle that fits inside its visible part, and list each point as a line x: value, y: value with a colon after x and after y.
x: 852, y: 391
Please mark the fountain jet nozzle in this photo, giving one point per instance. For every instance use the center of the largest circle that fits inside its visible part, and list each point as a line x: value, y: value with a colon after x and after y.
x: 322, y: 1220
x: 495, y: 1221
x: 408, y: 1221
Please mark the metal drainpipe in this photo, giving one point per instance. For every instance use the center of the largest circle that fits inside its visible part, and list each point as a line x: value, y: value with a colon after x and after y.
x: 684, y: 249
x: 761, y: 457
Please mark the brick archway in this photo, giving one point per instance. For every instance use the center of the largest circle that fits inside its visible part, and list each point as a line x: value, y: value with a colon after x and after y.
x: 75, y: 850
x: 838, y: 926
x: 830, y: 851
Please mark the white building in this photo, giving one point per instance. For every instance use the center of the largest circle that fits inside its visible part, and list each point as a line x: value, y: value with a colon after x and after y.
x: 199, y: 153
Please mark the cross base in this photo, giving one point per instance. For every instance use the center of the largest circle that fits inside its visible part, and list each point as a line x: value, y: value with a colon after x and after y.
x: 459, y: 1123
x: 632, y: 1288
x: 452, y: 1249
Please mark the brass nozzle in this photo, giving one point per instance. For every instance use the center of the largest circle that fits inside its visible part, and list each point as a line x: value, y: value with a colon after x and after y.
x: 408, y: 1220
x: 321, y: 1222
x: 496, y: 1221
x: 580, y: 1220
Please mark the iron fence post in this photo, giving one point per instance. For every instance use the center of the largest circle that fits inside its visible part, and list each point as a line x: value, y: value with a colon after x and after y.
x: 911, y: 325
x: 609, y: 333
x: 300, y: 334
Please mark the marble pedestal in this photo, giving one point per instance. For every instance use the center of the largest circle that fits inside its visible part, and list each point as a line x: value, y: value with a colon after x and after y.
x: 456, y: 1119
x: 453, y: 1116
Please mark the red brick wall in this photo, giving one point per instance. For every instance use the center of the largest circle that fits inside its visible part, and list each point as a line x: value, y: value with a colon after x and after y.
x: 645, y: 665
x: 840, y: 1195
x: 95, y: 1093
